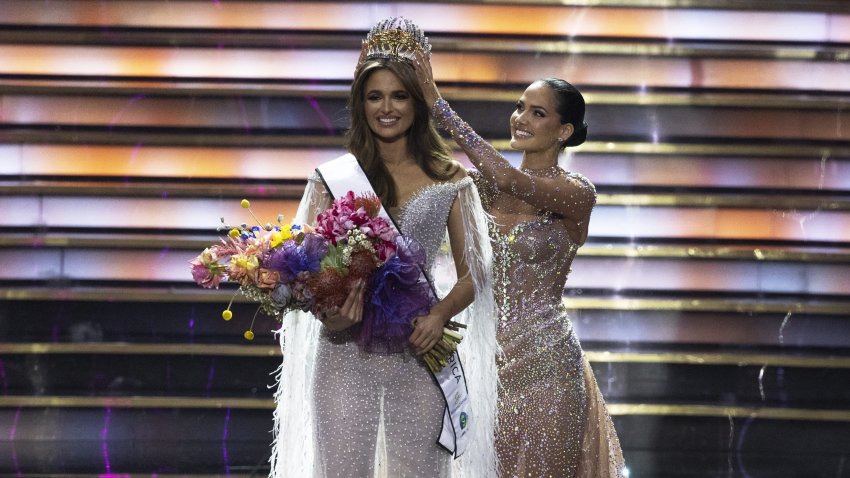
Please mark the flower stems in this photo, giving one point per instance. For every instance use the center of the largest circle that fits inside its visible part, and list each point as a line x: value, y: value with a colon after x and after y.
x: 438, y: 356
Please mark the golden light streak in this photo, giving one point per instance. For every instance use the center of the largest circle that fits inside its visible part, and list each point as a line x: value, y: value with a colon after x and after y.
x: 695, y: 358
x: 765, y: 413
x: 615, y: 409
x: 448, y: 66
x: 159, y: 161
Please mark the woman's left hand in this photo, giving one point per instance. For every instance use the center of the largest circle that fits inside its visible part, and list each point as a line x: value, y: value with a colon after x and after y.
x: 422, y: 65
x: 427, y: 331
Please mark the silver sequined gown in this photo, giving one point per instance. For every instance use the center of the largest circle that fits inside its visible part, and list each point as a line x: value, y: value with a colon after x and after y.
x: 552, y: 419
x: 359, y: 395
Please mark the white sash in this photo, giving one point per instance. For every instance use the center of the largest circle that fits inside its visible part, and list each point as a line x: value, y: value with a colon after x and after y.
x: 344, y: 174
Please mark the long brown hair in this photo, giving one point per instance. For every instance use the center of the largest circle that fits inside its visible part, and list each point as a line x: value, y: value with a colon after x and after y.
x: 424, y: 144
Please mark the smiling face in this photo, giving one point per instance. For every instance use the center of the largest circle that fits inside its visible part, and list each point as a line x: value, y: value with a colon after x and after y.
x: 388, y: 106
x: 536, y: 124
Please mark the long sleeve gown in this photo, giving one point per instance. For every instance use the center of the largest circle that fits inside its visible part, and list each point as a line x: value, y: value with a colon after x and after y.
x: 552, y: 418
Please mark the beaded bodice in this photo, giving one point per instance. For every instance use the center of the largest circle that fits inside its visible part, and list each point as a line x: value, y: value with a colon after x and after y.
x: 424, y: 216
x: 532, y: 250
x: 531, y: 260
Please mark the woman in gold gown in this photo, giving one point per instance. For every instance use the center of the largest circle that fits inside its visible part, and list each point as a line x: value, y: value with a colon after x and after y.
x: 552, y: 418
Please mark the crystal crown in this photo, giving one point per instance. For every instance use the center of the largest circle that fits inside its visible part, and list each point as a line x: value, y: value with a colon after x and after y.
x: 397, y: 39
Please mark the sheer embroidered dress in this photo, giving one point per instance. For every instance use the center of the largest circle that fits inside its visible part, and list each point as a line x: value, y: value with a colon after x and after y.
x: 344, y: 412
x: 552, y: 418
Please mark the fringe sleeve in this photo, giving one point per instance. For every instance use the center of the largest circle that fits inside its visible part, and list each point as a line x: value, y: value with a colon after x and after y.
x: 293, y: 447
x: 479, y: 348
x: 486, y: 188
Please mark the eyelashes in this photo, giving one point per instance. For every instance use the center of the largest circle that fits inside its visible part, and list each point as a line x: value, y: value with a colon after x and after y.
x: 538, y: 113
x: 395, y: 96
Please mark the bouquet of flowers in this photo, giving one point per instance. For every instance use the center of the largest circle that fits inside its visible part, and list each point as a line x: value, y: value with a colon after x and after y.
x: 286, y: 267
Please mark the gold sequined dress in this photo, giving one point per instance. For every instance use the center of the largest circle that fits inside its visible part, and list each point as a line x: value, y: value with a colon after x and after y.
x: 552, y: 419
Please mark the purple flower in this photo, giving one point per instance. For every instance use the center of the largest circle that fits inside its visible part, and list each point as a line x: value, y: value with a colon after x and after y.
x: 399, y: 294
x: 410, y: 251
x: 292, y: 258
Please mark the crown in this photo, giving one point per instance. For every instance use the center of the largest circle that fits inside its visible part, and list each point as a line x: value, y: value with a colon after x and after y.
x: 397, y: 39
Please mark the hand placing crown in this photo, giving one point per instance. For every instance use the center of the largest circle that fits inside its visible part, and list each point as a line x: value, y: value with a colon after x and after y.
x: 397, y: 39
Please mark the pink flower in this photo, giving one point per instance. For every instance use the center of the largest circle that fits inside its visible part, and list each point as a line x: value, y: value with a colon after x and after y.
x: 382, y: 230
x: 386, y: 250
x: 382, y: 236
x: 343, y: 216
x: 206, y: 271
x: 351, y: 212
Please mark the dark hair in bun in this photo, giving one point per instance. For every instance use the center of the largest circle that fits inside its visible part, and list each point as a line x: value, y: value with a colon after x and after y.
x: 570, y: 106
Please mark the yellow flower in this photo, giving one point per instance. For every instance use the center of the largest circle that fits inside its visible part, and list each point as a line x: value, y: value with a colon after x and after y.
x: 248, y: 335
x: 233, y: 232
x: 246, y: 204
x: 227, y: 315
x: 278, y: 237
x: 286, y: 231
x: 245, y: 262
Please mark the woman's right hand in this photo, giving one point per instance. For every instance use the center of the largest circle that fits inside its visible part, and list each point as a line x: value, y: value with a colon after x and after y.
x: 351, y: 312
x: 422, y: 65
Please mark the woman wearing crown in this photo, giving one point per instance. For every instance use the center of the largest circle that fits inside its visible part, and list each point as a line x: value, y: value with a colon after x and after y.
x: 552, y: 419
x: 343, y: 410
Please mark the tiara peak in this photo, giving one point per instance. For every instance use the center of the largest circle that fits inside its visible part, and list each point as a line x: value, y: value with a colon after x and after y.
x: 396, y: 39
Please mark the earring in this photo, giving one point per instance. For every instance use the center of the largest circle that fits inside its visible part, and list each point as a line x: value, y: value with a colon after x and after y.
x: 560, y: 140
